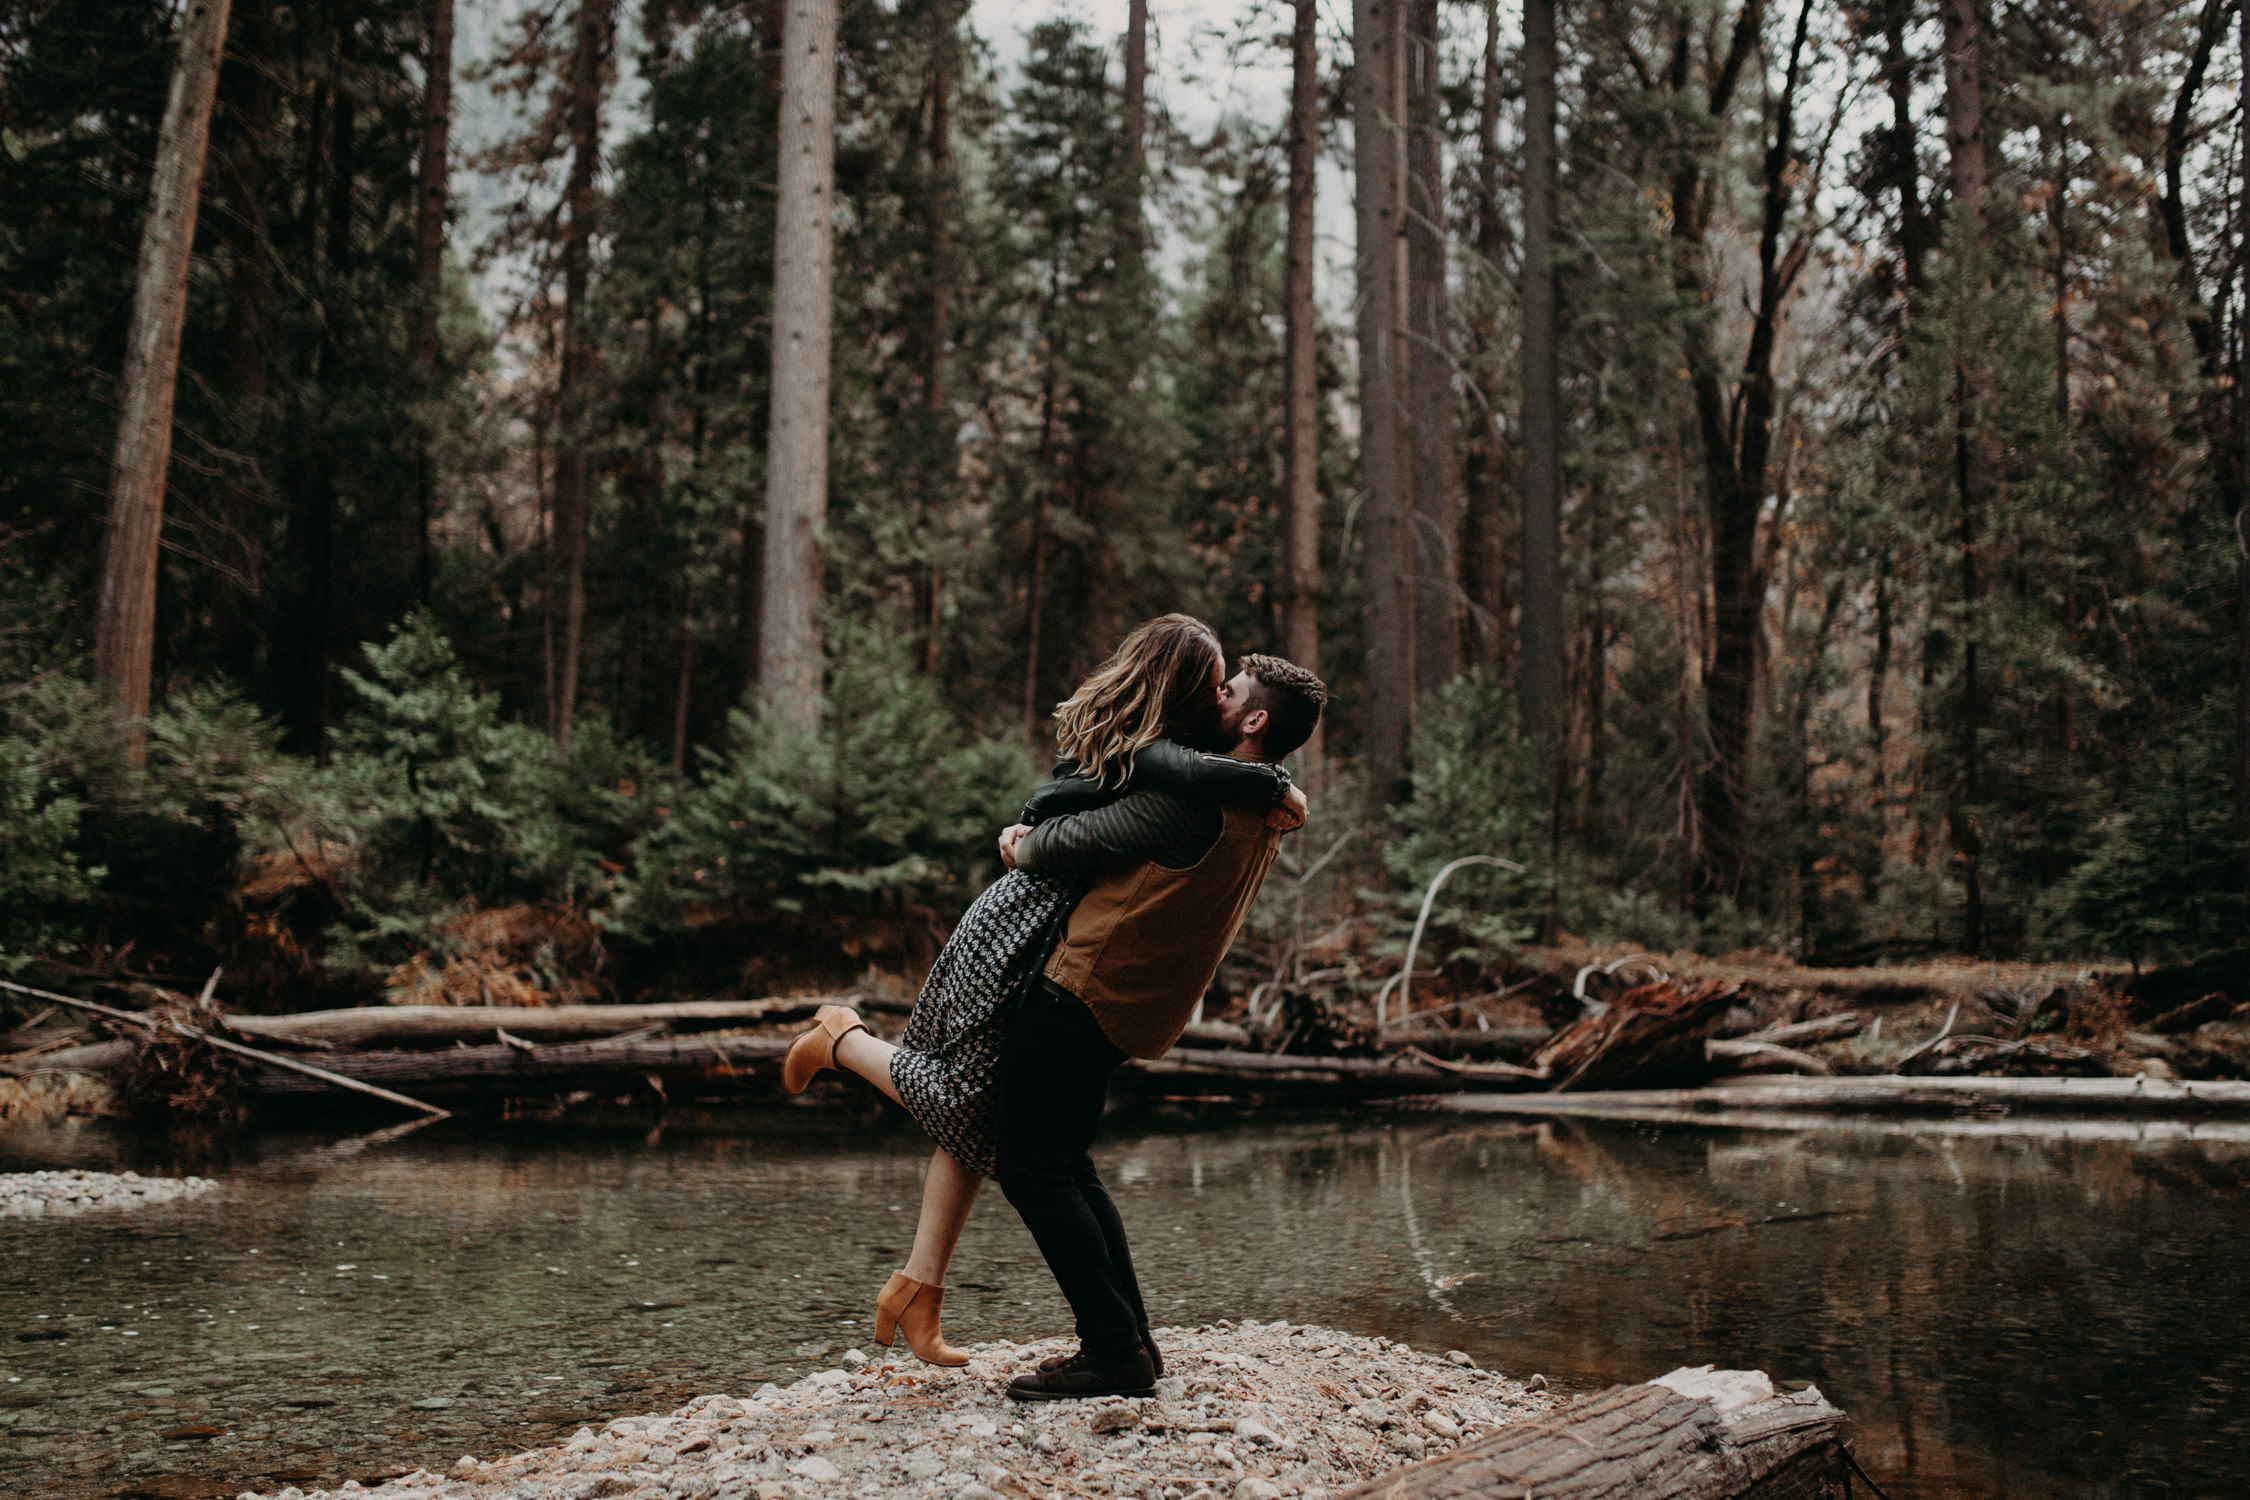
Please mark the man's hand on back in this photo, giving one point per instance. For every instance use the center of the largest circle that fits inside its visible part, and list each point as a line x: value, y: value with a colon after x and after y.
x: 1010, y: 836
x: 1290, y: 816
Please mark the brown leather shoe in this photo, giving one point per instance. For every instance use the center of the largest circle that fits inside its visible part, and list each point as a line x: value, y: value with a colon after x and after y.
x: 816, y: 1049
x: 915, y: 1306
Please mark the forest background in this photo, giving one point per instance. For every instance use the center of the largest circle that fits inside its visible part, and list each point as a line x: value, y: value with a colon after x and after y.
x: 1774, y: 473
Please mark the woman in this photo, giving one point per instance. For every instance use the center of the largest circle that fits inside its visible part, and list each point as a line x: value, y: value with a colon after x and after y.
x: 1163, y: 681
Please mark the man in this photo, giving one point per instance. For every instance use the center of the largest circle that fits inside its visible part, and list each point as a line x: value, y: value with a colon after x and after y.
x: 1176, y: 879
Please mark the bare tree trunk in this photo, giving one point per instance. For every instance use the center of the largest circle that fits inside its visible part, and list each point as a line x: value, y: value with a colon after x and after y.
x: 125, y: 616
x: 1300, y: 567
x: 1436, y: 516
x: 1485, y: 563
x: 429, y: 254
x: 573, y: 478
x: 1136, y: 85
x: 2242, y: 482
x: 1898, y: 78
x: 1542, y: 438
x: 684, y: 690
x: 926, y: 581
x: 789, y: 647
x: 1387, y: 559
x: 1976, y: 460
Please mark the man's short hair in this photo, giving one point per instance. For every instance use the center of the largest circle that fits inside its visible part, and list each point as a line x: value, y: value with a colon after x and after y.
x: 1290, y: 695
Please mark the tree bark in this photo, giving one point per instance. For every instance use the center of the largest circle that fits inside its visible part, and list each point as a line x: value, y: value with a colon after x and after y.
x: 1640, y: 1440
x: 1541, y: 641
x: 573, y: 477
x: 940, y: 226
x: 429, y: 254
x: 2242, y: 485
x: 125, y: 614
x: 1136, y: 85
x: 1386, y: 555
x: 1436, y: 515
x: 1898, y: 78
x: 1976, y: 456
x: 1300, y: 567
x: 789, y: 645
x: 1484, y: 571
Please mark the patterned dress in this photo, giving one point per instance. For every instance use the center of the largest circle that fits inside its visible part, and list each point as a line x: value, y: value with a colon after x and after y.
x: 946, y: 1059
x: 944, y: 1066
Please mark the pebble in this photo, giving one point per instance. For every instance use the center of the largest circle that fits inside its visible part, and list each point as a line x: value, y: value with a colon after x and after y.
x: 32, y: 1195
x: 1246, y: 1412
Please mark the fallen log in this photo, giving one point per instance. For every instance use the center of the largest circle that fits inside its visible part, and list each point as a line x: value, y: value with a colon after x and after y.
x: 502, y: 1069
x: 1691, y: 1435
x: 1653, y: 1033
x: 1845, y: 1023
x: 443, y: 1025
x: 1185, y: 1071
x: 1882, y: 1094
x: 1747, y: 1055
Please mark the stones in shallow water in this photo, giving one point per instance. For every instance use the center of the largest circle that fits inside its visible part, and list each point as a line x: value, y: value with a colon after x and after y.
x: 43, y: 1194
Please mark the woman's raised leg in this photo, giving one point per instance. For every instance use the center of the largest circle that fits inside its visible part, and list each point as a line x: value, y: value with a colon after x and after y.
x: 914, y: 1298
x: 870, y: 1057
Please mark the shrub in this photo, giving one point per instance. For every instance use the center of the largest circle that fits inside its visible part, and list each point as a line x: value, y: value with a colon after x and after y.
x: 883, y: 801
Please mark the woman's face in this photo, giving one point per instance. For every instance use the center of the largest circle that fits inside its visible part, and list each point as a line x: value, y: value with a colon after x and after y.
x: 1200, y: 728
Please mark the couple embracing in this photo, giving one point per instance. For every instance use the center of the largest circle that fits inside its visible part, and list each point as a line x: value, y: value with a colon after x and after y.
x: 1128, y: 877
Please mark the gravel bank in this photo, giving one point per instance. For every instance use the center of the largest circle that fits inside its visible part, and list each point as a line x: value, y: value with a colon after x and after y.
x: 46, y: 1194
x: 1245, y: 1412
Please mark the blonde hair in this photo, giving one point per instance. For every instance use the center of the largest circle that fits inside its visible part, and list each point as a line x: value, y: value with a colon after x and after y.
x: 1157, y: 679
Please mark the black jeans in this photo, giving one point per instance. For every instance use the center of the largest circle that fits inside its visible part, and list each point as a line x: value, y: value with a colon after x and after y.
x: 1054, y: 1073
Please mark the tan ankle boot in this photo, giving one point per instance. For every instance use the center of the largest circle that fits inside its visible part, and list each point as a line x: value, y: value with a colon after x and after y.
x: 915, y: 1306
x: 816, y: 1049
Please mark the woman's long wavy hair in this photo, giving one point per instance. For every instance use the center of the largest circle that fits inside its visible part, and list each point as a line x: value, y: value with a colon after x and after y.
x: 1158, y: 679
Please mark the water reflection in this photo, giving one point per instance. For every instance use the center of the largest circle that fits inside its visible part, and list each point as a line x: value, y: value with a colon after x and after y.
x: 2001, y: 1316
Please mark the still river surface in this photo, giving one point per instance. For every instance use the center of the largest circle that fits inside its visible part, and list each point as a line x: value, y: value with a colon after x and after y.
x: 2002, y: 1314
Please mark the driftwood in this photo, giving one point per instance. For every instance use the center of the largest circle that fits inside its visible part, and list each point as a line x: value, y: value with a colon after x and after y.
x: 1653, y: 1033
x: 1691, y: 1435
x: 1845, y: 1023
x: 502, y: 1069
x: 1185, y: 1071
x: 444, y: 1025
x: 1747, y: 1056
x: 209, y: 1039
x: 1884, y: 1094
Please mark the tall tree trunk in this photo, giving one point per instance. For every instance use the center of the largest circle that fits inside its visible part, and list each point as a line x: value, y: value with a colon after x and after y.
x: 589, y: 63
x: 246, y: 102
x: 1541, y: 648
x: 1898, y: 78
x: 1485, y: 547
x: 789, y: 650
x: 940, y: 227
x: 1436, y: 522
x: 1300, y: 566
x: 1388, y: 597
x: 1976, y: 457
x: 429, y: 257
x: 125, y: 615
x: 2242, y: 478
x: 1136, y: 85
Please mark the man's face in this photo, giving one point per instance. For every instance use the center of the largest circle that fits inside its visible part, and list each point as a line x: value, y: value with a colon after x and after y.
x: 1237, y: 700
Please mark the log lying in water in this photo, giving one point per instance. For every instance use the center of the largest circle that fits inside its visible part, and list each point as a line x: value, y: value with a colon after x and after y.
x: 1690, y: 1435
x: 1886, y: 1094
x: 503, y: 1069
x: 443, y: 1025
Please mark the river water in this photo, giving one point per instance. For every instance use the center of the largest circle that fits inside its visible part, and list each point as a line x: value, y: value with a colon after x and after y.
x: 2001, y: 1314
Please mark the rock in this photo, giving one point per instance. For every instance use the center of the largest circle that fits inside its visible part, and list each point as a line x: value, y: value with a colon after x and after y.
x: 433, y: 1403
x: 817, y: 1469
x: 1536, y: 1383
x: 1116, y: 1418
x: 854, y: 1358
x: 1257, y: 1433
x: 1455, y: 1356
x: 1256, y: 1487
x: 464, y: 1465
x: 1443, y: 1425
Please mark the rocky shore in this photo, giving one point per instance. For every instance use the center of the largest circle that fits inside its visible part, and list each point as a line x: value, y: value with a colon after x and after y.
x: 47, y: 1194
x: 1245, y: 1411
